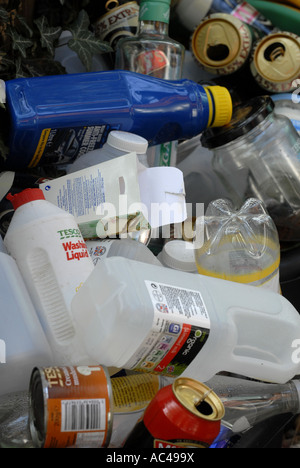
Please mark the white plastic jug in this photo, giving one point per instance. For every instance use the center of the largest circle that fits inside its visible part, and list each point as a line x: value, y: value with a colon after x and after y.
x: 54, y: 262
x: 23, y: 344
x: 149, y: 318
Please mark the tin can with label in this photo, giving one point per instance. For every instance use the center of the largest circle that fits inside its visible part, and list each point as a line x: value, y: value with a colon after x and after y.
x: 70, y: 407
x: 275, y: 62
x: 184, y: 414
x: 120, y: 20
x: 222, y: 44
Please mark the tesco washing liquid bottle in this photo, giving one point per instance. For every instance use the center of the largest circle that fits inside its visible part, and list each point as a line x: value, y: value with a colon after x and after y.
x: 149, y: 318
x: 55, y: 119
x: 54, y: 262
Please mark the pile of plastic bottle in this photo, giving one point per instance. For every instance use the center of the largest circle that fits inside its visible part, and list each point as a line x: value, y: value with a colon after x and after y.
x: 150, y: 235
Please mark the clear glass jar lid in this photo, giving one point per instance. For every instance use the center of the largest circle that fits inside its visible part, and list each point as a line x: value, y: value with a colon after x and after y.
x: 245, y: 117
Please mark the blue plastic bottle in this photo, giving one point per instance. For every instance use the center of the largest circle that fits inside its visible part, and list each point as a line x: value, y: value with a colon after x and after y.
x: 55, y: 119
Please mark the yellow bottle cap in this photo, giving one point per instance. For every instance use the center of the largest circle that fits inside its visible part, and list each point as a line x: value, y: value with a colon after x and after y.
x: 221, y: 107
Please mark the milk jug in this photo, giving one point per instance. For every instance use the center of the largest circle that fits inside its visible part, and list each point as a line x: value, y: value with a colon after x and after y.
x: 149, y: 318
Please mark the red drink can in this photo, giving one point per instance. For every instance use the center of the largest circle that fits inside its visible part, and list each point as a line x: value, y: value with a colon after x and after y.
x: 184, y: 414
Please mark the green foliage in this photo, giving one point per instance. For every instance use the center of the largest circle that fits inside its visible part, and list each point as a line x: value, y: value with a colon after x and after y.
x: 84, y: 42
x: 27, y: 51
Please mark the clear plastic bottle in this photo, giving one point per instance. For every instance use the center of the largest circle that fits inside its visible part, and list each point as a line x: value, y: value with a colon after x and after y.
x: 118, y: 143
x: 258, y: 155
x: 22, y: 340
x: 54, y: 262
x: 14, y: 420
x: 239, y: 245
x: 154, y: 319
x: 247, y: 402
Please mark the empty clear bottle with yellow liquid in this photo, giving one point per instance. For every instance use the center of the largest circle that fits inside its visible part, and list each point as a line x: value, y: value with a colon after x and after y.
x: 239, y: 245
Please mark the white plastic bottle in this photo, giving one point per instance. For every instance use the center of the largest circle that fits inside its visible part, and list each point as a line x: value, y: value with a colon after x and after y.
x: 23, y: 344
x: 118, y: 144
x: 150, y: 318
x: 54, y: 262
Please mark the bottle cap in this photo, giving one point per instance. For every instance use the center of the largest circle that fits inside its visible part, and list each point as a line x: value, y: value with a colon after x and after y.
x: 155, y: 10
x: 221, y: 44
x: 26, y: 196
x: 245, y: 117
x: 179, y: 255
x: 125, y: 141
x: 275, y: 62
x: 221, y: 107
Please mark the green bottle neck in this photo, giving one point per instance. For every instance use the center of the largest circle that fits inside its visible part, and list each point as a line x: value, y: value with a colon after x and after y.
x: 155, y: 12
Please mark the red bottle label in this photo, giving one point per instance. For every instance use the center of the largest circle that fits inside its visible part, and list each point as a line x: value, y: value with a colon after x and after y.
x: 150, y: 62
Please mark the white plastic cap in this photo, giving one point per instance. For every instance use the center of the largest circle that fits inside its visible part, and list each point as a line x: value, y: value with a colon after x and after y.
x: 126, y: 141
x: 179, y: 255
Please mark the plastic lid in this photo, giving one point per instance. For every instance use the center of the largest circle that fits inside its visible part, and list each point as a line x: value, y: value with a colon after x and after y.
x: 245, y: 117
x: 221, y: 105
x: 24, y: 197
x: 155, y: 10
x: 125, y: 141
x: 179, y: 255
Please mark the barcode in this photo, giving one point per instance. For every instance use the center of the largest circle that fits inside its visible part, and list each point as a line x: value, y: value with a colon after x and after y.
x: 83, y: 415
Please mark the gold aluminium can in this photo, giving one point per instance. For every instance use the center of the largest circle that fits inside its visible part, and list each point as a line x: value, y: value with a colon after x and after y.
x: 275, y: 62
x: 70, y: 407
x: 221, y: 44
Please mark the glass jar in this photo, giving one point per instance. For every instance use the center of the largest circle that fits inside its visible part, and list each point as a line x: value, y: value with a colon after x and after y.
x: 258, y: 155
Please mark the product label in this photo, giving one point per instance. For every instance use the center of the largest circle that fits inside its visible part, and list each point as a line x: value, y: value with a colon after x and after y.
x: 78, y: 407
x: 246, y: 13
x: 152, y: 61
x: 180, y: 329
x: 119, y: 21
x: 73, y: 244
x: 133, y: 393
x: 64, y: 145
x: 99, y: 249
x: 157, y: 443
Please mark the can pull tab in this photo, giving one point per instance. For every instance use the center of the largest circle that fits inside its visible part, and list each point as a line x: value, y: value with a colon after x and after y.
x: 202, y: 406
